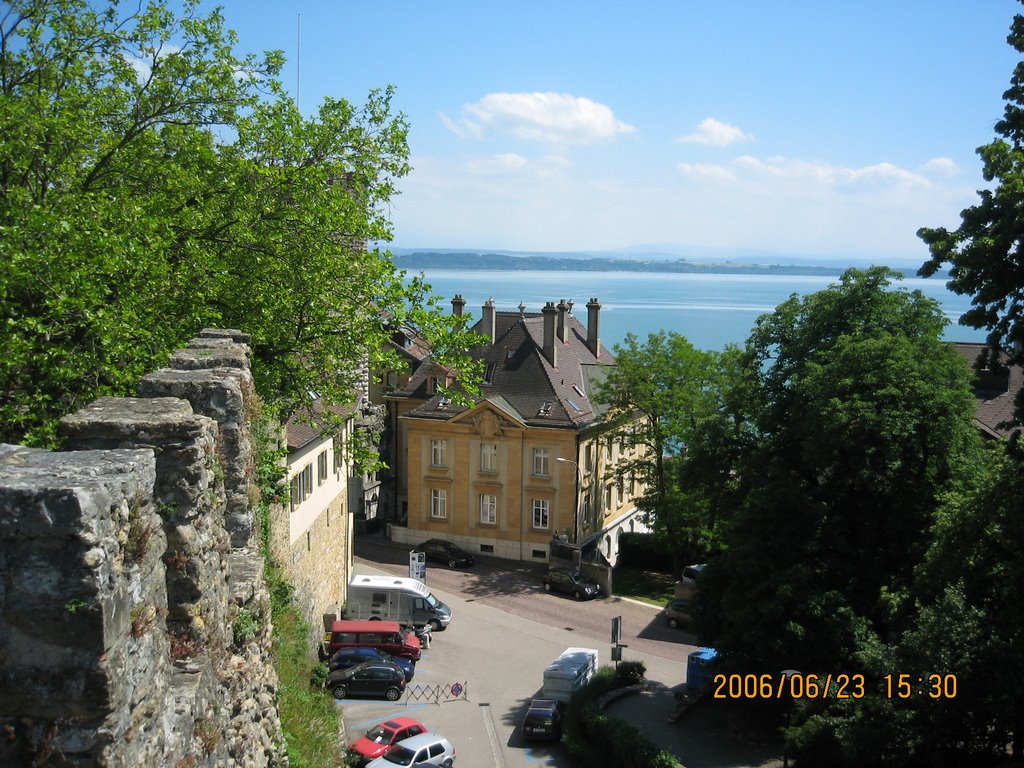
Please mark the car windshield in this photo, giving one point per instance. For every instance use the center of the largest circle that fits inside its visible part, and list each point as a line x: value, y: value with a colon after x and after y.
x: 400, y: 755
x: 379, y: 734
x: 581, y: 577
x: 432, y: 601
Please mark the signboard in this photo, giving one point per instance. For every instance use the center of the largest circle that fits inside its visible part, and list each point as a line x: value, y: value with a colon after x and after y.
x: 418, y: 566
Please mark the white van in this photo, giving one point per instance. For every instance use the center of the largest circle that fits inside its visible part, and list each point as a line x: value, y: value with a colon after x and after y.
x: 406, y: 601
x: 569, y: 672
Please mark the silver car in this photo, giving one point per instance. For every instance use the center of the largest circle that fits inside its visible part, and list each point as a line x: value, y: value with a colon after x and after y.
x: 425, y: 749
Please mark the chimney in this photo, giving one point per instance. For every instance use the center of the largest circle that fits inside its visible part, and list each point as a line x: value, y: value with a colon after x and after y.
x: 458, y: 304
x: 563, y: 327
x: 550, y: 350
x: 487, y: 321
x: 593, y: 327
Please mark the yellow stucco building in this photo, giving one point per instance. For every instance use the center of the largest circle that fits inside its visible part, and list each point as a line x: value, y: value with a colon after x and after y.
x: 529, y: 462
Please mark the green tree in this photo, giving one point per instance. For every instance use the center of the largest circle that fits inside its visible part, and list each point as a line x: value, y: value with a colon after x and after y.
x: 672, y: 387
x: 986, y: 252
x: 153, y: 182
x: 860, y: 416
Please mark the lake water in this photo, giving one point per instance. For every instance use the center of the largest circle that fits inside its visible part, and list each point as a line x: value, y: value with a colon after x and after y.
x: 711, y: 310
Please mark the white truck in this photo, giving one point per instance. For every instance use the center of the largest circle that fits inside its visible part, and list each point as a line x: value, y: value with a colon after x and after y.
x: 569, y: 672
x: 392, y: 598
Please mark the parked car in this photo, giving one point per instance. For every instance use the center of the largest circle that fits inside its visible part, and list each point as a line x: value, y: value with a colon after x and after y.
x: 425, y: 749
x: 677, y: 612
x: 688, y: 582
x: 543, y: 720
x: 383, y: 736
x: 571, y: 582
x: 349, y: 657
x: 371, y: 678
x: 441, y: 551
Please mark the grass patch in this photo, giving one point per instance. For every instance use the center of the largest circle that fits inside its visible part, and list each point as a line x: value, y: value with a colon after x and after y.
x: 647, y: 586
x: 309, y: 716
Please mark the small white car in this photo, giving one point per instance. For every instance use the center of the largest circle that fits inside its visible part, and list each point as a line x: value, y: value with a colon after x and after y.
x: 425, y: 749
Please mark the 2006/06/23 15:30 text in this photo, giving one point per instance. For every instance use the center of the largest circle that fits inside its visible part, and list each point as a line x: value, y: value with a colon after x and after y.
x: 797, y: 685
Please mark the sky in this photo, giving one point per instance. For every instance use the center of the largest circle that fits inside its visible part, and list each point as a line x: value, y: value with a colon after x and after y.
x: 826, y: 129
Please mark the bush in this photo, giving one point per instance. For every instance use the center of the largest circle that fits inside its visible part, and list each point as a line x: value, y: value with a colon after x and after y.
x: 594, y: 740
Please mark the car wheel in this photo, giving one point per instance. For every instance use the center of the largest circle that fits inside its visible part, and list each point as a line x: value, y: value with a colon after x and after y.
x: 451, y: 562
x: 435, y: 625
x: 547, y: 587
x: 392, y: 694
x: 375, y: 618
x: 579, y: 595
x: 673, y: 622
x: 339, y: 691
x: 448, y: 763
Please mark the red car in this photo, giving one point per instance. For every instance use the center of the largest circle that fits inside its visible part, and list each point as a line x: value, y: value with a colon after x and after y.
x: 382, y: 736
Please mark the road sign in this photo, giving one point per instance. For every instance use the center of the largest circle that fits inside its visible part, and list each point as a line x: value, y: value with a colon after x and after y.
x: 418, y: 566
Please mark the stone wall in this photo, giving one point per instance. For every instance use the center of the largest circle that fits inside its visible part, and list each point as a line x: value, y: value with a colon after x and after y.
x: 126, y: 561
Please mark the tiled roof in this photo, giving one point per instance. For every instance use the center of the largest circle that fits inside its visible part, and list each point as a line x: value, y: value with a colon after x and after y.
x: 524, y: 379
x: 305, y: 428
x: 994, y: 392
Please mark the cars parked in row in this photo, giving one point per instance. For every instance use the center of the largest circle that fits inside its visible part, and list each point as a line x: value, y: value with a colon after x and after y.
x: 441, y: 551
x: 425, y: 749
x: 381, y: 737
x: 349, y: 657
x: 371, y: 678
x: 571, y: 582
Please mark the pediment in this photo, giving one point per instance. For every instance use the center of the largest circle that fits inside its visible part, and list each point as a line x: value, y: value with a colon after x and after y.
x: 489, y: 419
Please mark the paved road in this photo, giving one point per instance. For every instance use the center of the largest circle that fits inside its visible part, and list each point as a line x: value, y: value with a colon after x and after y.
x: 505, y: 630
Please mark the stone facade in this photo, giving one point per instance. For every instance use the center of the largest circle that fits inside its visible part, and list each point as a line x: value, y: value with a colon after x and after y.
x: 125, y: 563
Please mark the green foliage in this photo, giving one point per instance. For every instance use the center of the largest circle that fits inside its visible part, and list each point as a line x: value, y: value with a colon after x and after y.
x: 861, y: 420
x: 984, y: 252
x: 320, y: 674
x: 673, y: 388
x: 156, y: 183
x: 594, y: 740
x: 630, y: 672
x: 309, y: 717
x: 245, y: 627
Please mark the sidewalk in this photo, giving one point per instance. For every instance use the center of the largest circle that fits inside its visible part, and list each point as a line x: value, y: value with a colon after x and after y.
x: 702, y: 738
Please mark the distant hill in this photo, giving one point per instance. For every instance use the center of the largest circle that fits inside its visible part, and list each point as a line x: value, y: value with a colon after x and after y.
x: 576, y: 262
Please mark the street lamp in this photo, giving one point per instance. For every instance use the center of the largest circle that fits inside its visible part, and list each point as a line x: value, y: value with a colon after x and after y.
x: 579, y: 492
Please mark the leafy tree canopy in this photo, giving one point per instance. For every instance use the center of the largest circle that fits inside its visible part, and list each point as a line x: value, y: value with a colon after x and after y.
x: 153, y: 182
x: 860, y: 415
x: 986, y: 252
x: 673, y: 388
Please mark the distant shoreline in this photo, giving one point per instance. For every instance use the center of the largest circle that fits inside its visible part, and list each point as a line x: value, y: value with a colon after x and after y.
x: 506, y: 263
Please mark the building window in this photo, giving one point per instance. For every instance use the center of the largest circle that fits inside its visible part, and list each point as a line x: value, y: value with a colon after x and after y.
x: 339, y: 453
x: 438, y: 503
x: 439, y: 453
x: 321, y: 467
x: 541, y: 513
x: 302, y: 485
x: 541, y: 462
x: 488, y: 457
x: 608, y: 498
x: 588, y: 458
x: 488, y: 508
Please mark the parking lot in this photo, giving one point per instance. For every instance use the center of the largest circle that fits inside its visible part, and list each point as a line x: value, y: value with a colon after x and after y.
x: 505, y: 630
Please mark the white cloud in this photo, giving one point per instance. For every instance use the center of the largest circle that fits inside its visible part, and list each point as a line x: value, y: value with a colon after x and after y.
x: 706, y: 171
x: 814, y: 171
x: 505, y: 163
x: 940, y: 166
x: 557, y: 118
x: 714, y: 133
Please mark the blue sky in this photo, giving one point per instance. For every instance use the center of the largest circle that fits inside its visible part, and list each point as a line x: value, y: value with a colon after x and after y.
x: 831, y: 129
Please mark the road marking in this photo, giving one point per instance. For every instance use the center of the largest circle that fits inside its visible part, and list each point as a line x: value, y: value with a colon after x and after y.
x: 499, y: 759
